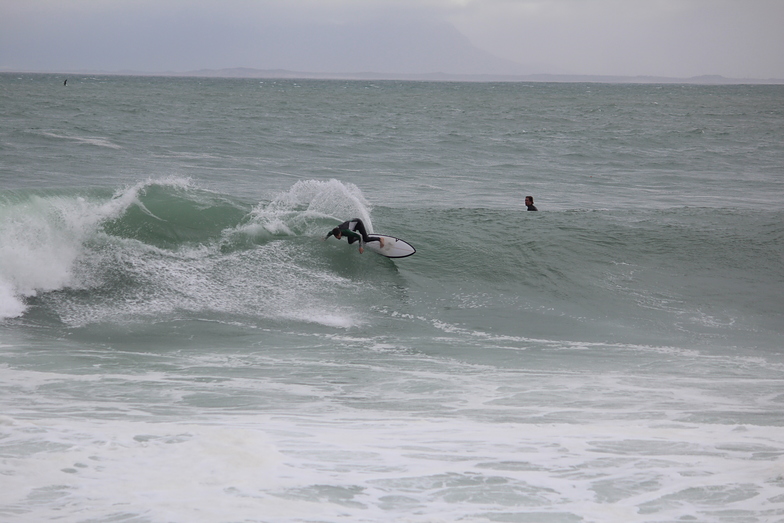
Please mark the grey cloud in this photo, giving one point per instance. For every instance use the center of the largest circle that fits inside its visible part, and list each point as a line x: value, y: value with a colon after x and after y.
x: 611, y: 37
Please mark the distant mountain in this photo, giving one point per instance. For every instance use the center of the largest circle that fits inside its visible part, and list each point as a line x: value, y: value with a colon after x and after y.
x: 388, y: 45
x: 245, y: 72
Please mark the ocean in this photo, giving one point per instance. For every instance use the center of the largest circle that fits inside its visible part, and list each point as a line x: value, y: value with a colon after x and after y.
x: 179, y: 344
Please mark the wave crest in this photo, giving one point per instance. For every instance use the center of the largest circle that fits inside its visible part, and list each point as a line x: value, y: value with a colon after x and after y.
x: 167, y: 245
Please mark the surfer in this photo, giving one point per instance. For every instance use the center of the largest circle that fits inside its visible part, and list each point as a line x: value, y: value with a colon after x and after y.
x: 65, y: 82
x: 529, y: 202
x: 354, y: 230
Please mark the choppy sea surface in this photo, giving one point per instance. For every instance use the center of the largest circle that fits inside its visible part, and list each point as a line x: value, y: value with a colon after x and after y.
x: 178, y: 344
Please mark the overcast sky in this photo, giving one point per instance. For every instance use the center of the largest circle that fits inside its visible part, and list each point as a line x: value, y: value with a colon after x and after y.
x: 677, y: 38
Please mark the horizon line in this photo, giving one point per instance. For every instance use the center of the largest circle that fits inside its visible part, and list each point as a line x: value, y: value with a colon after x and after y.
x: 286, y: 74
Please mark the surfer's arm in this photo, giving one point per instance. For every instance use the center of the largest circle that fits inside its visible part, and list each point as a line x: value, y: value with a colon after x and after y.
x: 352, y: 236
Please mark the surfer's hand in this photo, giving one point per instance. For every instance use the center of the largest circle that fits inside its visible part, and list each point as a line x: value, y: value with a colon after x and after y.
x: 361, y: 250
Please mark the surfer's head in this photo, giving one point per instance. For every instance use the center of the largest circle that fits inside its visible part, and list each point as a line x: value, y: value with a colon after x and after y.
x: 336, y: 232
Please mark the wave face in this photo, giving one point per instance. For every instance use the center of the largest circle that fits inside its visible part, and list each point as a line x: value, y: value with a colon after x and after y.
x: 169, y: 249
x: 166, y: 248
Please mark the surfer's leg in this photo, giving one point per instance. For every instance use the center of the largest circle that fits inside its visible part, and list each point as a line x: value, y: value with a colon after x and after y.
x: 360, y: 228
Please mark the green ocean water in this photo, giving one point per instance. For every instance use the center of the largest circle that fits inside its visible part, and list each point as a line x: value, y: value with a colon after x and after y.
x: 179, y: 344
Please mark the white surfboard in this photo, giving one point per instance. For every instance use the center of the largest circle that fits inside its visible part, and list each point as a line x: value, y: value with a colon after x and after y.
x: 393, y: 247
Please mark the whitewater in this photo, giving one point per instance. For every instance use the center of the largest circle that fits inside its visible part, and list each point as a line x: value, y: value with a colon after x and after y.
x: 179, y: 343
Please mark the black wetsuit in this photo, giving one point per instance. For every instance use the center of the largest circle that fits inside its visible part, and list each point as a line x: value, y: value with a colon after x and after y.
x: 354, y: 230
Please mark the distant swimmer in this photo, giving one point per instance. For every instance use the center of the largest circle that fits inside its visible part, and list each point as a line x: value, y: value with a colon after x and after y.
x: 354, y: 230
x: 529, y: 202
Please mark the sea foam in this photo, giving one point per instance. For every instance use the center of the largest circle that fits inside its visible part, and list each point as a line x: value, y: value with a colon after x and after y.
x: 43, y: 235
x: 41, y: 238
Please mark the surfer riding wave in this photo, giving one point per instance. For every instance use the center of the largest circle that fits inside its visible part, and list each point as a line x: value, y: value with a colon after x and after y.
x: 354, y: 230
